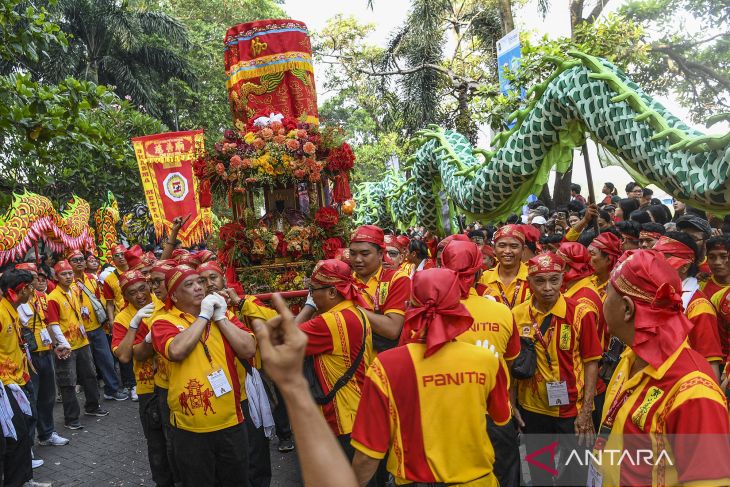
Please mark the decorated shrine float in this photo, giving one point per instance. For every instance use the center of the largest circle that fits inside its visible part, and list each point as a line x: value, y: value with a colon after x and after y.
x: 285, y: 177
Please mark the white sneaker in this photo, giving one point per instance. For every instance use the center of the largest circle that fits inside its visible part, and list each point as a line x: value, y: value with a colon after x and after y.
x: 133, y: 394
x: 37, y: 462
x: 33, y: 483
x: 54, y: 440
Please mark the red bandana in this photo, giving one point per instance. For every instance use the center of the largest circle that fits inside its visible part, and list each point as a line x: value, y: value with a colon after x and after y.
x: 512, y: 231
x: 74, y: 254
x: 610, y: 245
x: 211, y: 266
x: 577, y: 261
x: 660, y: 325
x: 465, y: 259
x: 369, y: 234
x: 649, y: 235
x: 676, y: 253
x: 163, y: 265
x: 175, y: 276
x: 545, y: 263
x: 436, y: 315
x: 404, y: 241
x: 459, y: 237
x: 392, y: 241
x: 27, y: 266
x: 204, y: 256
x: 130, y: 277
x: 136, y: 259
x: 62, y: 265
x: 335, y: 273
x: 119, y: 249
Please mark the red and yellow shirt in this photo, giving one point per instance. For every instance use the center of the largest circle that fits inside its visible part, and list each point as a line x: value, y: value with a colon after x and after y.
x: 193, y: 404
x: 253, y: 308
x: 711, y: 287
x: 585, y: 291
x: 39, y: 304
x: 334, y: 340
x: 430, y: 413
x: 161, y: 363
x: 144, y: 372
x: 112, y: 291
x: 514, y: 293
x: 64, y: 309
x: 387, y: 291
x: 572, y: 341
x: 721, y: 302
x: 492, y: 322
x: 679, y: 398
x: 90, y: 282
x: 704, y: 337
x: 13, y: 362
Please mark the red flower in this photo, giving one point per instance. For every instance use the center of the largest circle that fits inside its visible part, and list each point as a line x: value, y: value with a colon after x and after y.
x: 309, y: 148
x: 292, y: 144
x: 236, y: 162
x: 326, y: 217
x: 200, y: 168
x: 220, y: 168
x: 299, y: 173
x: 341, y: 158
x: 330, y: 247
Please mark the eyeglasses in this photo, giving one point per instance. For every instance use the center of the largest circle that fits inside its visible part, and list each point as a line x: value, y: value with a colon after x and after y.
x: 393, y: 253
x: 155, y: 283
x: 77, y: 260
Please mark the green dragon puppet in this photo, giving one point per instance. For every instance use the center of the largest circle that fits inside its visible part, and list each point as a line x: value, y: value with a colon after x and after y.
x: 585, y: 96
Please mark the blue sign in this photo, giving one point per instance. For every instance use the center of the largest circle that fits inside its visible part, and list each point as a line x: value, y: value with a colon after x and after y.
x: 508, y: 56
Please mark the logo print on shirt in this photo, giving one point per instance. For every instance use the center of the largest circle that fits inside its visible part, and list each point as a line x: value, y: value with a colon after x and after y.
x: 196, y: 397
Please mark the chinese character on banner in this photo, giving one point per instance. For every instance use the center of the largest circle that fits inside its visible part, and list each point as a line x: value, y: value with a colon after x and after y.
x: 170, y: 187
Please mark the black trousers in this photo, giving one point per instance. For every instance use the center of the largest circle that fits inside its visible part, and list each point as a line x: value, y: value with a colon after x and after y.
x: 506, y: 446
x: 218, y: 458
x: 156, y: 444
x: 539, y: 432
x: 344, y: 441
x: 259, y: 455
x: 167, y: 430
x: 16, y: 457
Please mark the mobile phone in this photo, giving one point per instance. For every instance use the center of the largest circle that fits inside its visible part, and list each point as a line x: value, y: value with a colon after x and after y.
x: 561, y: 215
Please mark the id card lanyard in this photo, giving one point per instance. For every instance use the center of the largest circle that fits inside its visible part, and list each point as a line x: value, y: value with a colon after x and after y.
x: 510, y: 304
x: 543, y: 341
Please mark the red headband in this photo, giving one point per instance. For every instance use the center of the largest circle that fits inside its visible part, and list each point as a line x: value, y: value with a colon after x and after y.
x: 577, y: 260
x: 531, y: 233
x: 211, y: 266
x: 652, y: 235
x: 391, y: 240
x: 27, y: 266
x: 676, y: 253
x: 369, y: 234
x: 163, y: 265
x: 74, y: 253
x: 436, y: 315
x: 61, y: 266
x: 610, y: 245
x: 130, y: 277
x: 459, y: 237
x: 335, y: 273
x: 654, y: 287
x: 119, y: 249
x: 465, y: 259
x: 512, y: 231
x: 204, y: 256
x: 545, y: 263
x: 176, y: 276
x: 404, y: 241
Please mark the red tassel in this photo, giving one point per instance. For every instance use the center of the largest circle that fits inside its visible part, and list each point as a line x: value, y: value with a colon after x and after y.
x: 341, y: 191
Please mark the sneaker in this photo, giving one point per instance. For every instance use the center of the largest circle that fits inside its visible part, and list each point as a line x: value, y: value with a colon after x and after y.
x: 133, y: 394
x: 117, y: 396
x: 54, y: 440
x: 36, y: 462
x: 99, y: 412
x: 287, y: 445
x: 58, y: 397
x: 33, y: 483
x: 73, y: 425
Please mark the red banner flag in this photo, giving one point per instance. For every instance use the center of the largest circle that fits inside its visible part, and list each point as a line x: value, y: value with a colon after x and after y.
x: 170, y: 187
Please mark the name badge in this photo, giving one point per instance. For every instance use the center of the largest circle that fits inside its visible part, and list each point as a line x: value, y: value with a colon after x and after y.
x: 219, y: 383
x: 82, y: 330
x: 595, y: 479
x: 45, y: 337
x: 85, y: 313
x: 557, y: 393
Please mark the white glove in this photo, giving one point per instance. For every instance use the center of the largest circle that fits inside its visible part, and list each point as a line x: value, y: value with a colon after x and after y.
x: 207, y: 307
x: 142, y: 313
x: 485, y: 344
x: 148, y: 337
x: 310, y: 301
x: 60, y: 338
x: 220, y: 308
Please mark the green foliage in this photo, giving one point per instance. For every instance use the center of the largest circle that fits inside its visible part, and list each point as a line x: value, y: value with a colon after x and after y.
x: 25, y: 31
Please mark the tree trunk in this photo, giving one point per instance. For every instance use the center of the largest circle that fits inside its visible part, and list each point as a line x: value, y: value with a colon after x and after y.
x: 92, y: 71
x: 508, y: 23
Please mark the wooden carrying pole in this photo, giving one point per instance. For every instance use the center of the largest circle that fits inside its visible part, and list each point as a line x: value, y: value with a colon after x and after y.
x: 589, y: 177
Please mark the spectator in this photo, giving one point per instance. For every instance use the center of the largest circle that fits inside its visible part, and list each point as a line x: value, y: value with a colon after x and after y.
x: 633, y: 190
x: 699, y: 229
x: 646, y: 197
x: 625, y: 208
x: 649, y: 234
x: 575, y: 193
x: 609, y: 190
x: 629, y: 235
x: 604, y: 220
x: 679, y: 209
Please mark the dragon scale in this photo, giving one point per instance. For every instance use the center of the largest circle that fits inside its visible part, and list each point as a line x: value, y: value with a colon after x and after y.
x: 585, y: 97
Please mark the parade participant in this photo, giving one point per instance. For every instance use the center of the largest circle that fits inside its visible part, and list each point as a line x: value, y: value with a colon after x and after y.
x: 418, y: 257
x: 681, y: 252
x: 488, y: 259
x: 17, y: 467
x: 386, y: 291
x: 407, y: 413
x: 340, y: 344
x: 405, y: 243
x: 718, y: 260
x: 93, y: 266
x: 661, y: 387
x: 699, y: 229
x: 33, y: 316
x: 578, y: 279
x: 493, y: 325
x: 111, y: 290
x: 247, y: 308
x: 208, y: 434
x: 445, y: 241
x: 130, y: 344
x: 629, y: 234
x: 557, y: 401
x: 137, y: 260
x: 74, y: 362
x: 649, y: 234
x: 507, y: 282
x: 87, y: 288
x: 605, y: 250
x: 282, y: 346
x: 394, y: 251
x: 532, y: 238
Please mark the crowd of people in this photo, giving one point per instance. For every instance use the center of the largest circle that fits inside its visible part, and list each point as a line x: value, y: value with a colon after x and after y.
x: 414, y: 360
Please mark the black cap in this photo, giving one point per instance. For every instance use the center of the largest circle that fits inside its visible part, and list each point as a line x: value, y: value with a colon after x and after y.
x: 694, y: 221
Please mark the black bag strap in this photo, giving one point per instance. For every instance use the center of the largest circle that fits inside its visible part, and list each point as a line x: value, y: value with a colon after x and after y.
x: 546, y: 324
x: 347, y: 376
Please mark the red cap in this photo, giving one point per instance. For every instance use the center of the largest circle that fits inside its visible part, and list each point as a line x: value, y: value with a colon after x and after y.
x: 335, y: 273
x: 512, y: 231
x: 118, y: 249
x: 176, y: 275
x: 72, y: 254
x: 369, y: 234
x: 27, y: 266
x: 130, y: 277
x: 204, y: 256
x: 211, y: 266
x: 465, y: 259
x: 392, y: 240
x: 136, y: 259
x: 577, y: 260
x: 404, y: 241
x: 163, y: 265
x: 545, y: 263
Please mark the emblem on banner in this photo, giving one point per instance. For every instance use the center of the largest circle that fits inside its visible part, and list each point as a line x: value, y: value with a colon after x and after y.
x: 176, y: 186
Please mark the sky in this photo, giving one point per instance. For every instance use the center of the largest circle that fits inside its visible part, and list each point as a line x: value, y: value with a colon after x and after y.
x: 387, y: 15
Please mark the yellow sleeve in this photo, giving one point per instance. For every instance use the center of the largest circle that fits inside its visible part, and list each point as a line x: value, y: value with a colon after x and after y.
x: 571, y: 235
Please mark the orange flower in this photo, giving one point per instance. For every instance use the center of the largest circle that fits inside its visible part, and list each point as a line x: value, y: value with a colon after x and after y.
x: 275, y: 126
x: 258, y: 144
x: 267, y: 133
x: 236, y: 162
x: 309, y: 148
x: 246, y: 163
x: 301, y: 134
x: 279, y: 139
x: 292, y: 144
x: 220, y: 168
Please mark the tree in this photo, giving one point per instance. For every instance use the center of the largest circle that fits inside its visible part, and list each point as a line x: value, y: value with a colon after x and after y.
x: 132, y: 49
